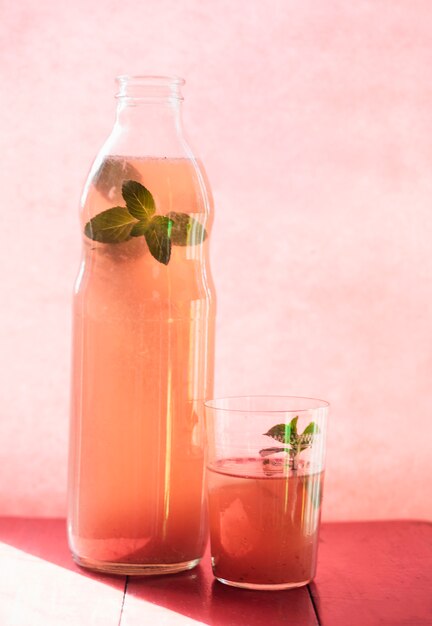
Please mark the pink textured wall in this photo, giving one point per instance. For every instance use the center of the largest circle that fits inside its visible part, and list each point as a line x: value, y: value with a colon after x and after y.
x: 314, y: 120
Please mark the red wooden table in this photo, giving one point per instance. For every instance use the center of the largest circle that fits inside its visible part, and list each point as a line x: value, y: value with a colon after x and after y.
x: 369, y: 574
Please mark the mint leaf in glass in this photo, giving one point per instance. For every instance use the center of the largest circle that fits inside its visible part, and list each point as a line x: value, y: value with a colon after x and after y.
x: 288, y: 435
x: 158, y: 238
x: 307, y: 436
x: 139, y: 201
x: 186, y: 231
x: 284, y: 433
x: 111, y: 226
x: 268, y: 451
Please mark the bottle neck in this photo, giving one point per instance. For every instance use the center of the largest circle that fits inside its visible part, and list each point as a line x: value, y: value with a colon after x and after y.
x: 147, y: 115
x: 148, y: 118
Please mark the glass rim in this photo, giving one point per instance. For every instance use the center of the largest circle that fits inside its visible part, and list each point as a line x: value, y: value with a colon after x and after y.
x: 216, y: 404
x: 150, y: 79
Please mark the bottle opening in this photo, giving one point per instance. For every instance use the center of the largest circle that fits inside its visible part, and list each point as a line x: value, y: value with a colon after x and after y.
x: 149, y: 88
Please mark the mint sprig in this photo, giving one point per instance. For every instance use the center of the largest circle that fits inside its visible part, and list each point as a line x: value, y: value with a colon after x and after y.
x: 295, y: 442
x: 138, y: 219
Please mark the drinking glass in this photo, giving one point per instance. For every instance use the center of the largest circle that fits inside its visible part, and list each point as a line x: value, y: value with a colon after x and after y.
x: 265, y: 484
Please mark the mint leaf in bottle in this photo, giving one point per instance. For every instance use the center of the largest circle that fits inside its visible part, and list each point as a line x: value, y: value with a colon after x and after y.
x: 111, y: 226
x: 138, y: 219
x: 140, y: 228
x: 139, y: 201
x: 186, y: 231
x: 109, y: 176
x: 158, y: 238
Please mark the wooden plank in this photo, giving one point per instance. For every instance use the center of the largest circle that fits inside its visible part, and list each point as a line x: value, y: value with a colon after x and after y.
x: 196, y: 598
x: 374, y: 573
x: 40, y: 584
x: 369, y: 574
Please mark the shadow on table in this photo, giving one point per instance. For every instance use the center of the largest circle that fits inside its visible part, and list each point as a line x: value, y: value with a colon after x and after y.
x: 254, y: 608
x: 46, y: 539
x: 197, y: 595
x: 194, y: 594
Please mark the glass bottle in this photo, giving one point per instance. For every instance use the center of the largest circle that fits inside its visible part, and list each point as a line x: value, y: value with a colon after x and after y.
x: 143, y: 343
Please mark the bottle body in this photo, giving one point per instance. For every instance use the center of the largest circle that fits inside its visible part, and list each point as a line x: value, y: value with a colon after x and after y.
x: 143, y: 351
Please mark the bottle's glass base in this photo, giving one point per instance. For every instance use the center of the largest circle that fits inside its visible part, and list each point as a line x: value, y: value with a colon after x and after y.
x: 134, y: 569
x: 262, y: 587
